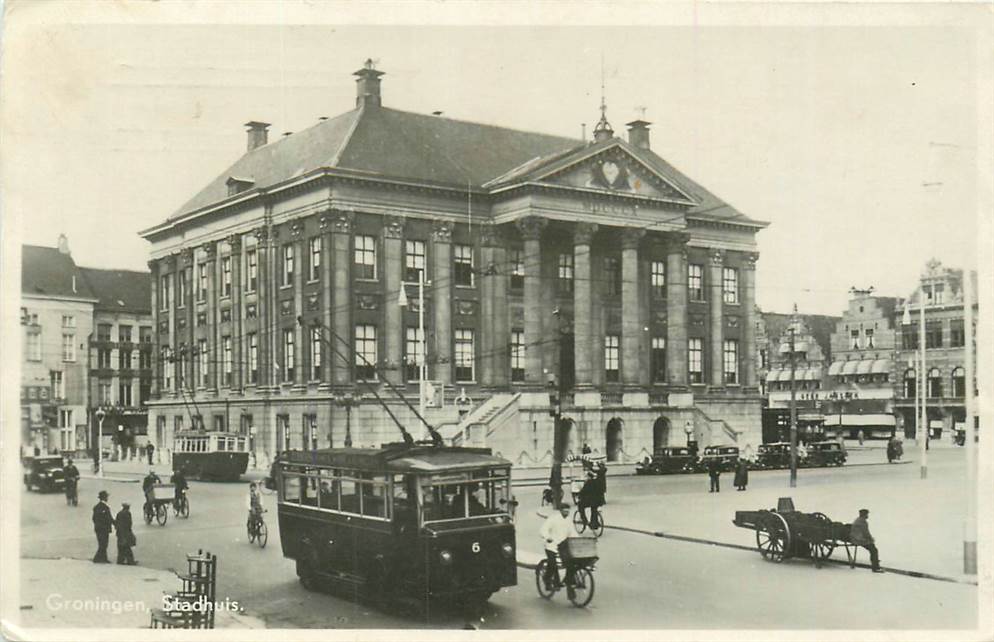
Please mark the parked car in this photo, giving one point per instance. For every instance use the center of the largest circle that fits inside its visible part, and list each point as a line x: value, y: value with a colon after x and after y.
x: 825, y: 453
x: 727, y: 457
x: 666, y: 461
x: 775, y: 455
x: 44, y: 473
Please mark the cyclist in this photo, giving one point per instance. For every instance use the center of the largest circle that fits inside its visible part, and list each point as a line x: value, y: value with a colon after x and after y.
x: 588, y: 498
x: 554, y: 531
x: 148, y: 487
x: 72, y: 479
x: 179, y: 487
x: 254, y: 505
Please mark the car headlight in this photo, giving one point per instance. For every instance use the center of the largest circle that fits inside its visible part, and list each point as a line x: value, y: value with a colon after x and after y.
x: 507, y: 549
x: 445, y: 557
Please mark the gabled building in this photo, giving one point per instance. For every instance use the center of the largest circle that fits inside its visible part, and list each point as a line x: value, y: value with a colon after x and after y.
x: 277, y: 289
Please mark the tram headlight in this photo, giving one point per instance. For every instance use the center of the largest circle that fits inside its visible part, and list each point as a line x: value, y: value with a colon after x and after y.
x: 507, y: 550
x: 445, y: 557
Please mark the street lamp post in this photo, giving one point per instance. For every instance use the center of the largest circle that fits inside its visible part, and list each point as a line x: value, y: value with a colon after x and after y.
x: 793, y: 403
x: 98, y: 457
x: 970, y: 527
x: 921, y: 379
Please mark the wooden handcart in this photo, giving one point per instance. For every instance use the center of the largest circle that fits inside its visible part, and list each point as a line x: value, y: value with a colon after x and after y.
x: 783, y: 533
x: 158, y: 508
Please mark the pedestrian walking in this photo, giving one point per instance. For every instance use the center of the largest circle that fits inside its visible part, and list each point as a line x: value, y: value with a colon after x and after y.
x: 125, y: 535
x: 741, y: 474
x: 149, y: 449
x: 860, y: 436
x: 714, y: 471
x: 860, y: 535
x: 103, y: 522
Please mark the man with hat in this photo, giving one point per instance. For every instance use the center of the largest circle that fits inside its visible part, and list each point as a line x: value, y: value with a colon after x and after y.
x: 554, y: 531
x: 860, y: 535
x: 125, y: 535
x: 103, y: 521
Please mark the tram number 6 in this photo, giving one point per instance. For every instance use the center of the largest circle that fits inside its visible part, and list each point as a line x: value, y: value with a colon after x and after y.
x: 475, y: 547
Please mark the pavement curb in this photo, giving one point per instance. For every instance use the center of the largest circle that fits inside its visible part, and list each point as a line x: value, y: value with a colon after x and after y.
x: 126, y: 480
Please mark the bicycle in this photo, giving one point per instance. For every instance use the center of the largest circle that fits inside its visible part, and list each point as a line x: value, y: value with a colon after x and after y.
x: 581, y: 526
x: 156, y: 510
x: 181, y: 505
x: 257, y: 531
x: 582, y: 585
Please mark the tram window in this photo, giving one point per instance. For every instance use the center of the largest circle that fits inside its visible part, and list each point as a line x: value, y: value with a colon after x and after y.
x: 349, y: 496
x: 373, y: 499
x: 291, y: 488
x: 222, y: 445
x: 328, y: 488
x: 468, y: 499
x: 309, y: 491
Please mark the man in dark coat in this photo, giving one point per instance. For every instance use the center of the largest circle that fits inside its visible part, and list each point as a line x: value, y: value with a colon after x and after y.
x: 860, y: 534
x: 72, y: 479
x: 103, y: 522
x: 602, y: 483
x: 741, y: 474
x: 714, y: 470
x: 125, y: 535
x: 150, y: 450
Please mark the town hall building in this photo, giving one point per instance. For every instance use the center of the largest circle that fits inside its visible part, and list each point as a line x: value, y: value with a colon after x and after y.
x: 286, y: 293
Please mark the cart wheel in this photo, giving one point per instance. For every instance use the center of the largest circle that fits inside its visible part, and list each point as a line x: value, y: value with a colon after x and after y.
x: 583, y: 588
x: 543, y: 589
x: 772, y: 537
x: 823, y: 550
x: 263, y: 535
x: 578, y: 522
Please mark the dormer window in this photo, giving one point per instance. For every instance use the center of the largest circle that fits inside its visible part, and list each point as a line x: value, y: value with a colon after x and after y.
x: 237, y: 185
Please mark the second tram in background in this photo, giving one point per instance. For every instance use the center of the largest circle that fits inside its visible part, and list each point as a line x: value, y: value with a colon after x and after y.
x: 210, y: 455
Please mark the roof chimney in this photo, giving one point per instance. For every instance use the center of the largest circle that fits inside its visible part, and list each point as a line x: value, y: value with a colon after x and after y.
x: 368, y: 85
x: 257, y: 134
x: 64, y: 244
x: 638, y: 133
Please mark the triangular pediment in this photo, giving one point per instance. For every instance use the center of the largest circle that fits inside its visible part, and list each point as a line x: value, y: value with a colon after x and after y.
x: 615, y: 170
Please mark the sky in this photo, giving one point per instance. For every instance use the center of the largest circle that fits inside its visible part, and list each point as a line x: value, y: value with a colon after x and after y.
x: 857, y: 143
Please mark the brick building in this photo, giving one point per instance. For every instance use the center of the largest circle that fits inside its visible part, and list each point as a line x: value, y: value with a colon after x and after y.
x: 595, y: 261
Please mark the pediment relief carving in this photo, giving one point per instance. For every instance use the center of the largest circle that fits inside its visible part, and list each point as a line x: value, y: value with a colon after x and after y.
x: 618, y: 172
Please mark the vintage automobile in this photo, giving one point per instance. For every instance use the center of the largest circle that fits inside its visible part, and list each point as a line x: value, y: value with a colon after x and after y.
x: 668, y: 460
x: 775, y: 455
x: 727, y: 457
x: 824, y: 453
x: 44, y: 473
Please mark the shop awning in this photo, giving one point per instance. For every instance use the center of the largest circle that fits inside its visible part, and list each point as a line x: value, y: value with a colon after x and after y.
x: 864, y: 367
x: 814, y: 374
x: 799, y: 346
x: 877, y: 420
x: 772, y: 375
x: 881, y: 366
x: 835, y: 369
x: 849, y: 367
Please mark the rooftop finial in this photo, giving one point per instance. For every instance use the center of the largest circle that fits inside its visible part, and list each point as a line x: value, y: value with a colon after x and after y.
x: 603, y: 130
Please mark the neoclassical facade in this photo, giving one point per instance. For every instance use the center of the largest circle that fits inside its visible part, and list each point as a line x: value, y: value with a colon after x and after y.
x: 279, y: 309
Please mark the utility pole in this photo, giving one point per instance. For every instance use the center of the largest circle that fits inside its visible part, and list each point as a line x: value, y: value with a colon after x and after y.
x: 793, y: 403
x: 923, y: 442
x: 556, y: 393
x: 970, y: 527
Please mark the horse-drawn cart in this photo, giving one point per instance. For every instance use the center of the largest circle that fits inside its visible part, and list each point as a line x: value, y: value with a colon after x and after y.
x: 785, y: 533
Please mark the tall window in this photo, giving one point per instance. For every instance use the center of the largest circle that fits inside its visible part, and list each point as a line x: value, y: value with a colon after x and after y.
x: 657, y: 278
x: 938, y: 290
x: 68, y: 347
x: 565, y: 273
x: 869, y: 338
x: 959, y: 382
x: 933, y: 334
x: 611, y: 358
x: 310, y: 431
x: 164, y: 292
x: 517, y: 355
x: 145, y: 334
x: 695, y: 281
x: 413, y: 353
x: 58, y: 385
x: 33, y: 350
x: 167, y: 369
x: 287, y: 271
x: 253, y: 357
x: 365, y: 352
x: 731, y: 360
x: 202, y: 282
x: 854, y: 339
x: 657, y: 357
x: 315, y: 272
x: 144, y: 359
x: 909, y: 338
x: 67, y: 431
x: 226, y: 359
x: 316, y: 350
x: 695, y: 362
x: 289, y: 358
x: 226, y: 276
x: 517, y: 261
x: 465, y: 356
x: 68, y: 321
x: 104, y: 393
x: 124, y: 396
x: 463, y: 256
x: 145, y: 393
x: 730, y: 285
x: 103, y: 331
x: 365, y: 257
x: 181, y: 287
x: 252, y: 261
x: 203, y: 366
x: 612, y: 275
x: 934, y: 383
x: 414, y: 260
x: 957, y: 333
x: 124, y: 359
x: 124, y: 333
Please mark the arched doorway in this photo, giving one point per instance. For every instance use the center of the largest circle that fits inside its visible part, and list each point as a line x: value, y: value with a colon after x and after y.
x: 660, y: 433
x: 615, y: 429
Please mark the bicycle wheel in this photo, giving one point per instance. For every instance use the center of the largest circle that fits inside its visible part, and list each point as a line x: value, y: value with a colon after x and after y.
x: 184, y: 508
x: 161, y: 514
x: 578, y: 522
x: 543, y: 589
x: 251, y: 532
x: 263, y: 535
x: 583, y: 588
x: 600, y: 525
x: 149, y: 516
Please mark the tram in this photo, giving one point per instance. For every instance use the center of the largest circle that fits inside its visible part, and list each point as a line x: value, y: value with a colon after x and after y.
x: 210, y: 455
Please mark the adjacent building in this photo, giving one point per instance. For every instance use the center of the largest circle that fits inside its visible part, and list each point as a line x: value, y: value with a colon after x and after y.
x: 594, y: 264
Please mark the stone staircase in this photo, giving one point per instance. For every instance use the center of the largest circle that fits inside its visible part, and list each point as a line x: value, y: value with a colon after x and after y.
x: 477, y: 426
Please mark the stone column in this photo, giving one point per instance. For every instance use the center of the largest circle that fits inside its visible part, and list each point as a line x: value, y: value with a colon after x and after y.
x: 342, y: 242
x: 213, y: 335
x: 300, y: 357
x: 676, y: 310
x: 632, y: 373
x: 488, y: 346
x: 442, y: 299
x: 393, y: 263
x: 531, y: 231
x: 325, y: 222
x: 263, y: 295
x: 153, y: 268
x: 583, y: 306
x: 188, y: 262
x: 501, y: 314
x: 747, y: 364
x: 237, y: 371
x: 171, y: 264
x: 715, y: 318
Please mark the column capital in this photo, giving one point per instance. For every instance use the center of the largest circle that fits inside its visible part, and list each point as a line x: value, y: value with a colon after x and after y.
x: 631, y: 237
x: 261, y: 234
x: 441, y: 231
x: 168, y: 262
x: 393, y: 227
x: 235, y: 243
x: 490, y: 235
x: 751, y: 259
x: 186, y: 256
x: 325, y: 221
x: 583, y: 233
x: 531, y: 226
x: 210, y: 248
x: 716, y: 257
x: 297, y: 229
x: 342, y: 221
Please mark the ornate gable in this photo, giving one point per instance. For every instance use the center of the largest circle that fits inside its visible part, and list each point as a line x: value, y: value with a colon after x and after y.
x: 615, y: 170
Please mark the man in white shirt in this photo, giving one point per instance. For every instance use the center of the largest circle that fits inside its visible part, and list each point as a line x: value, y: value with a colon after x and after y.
x: 554, y: 531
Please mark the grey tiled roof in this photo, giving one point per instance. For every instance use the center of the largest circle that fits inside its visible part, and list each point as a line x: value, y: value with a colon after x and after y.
x: 45, y: 270
x: 120, y: 290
